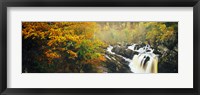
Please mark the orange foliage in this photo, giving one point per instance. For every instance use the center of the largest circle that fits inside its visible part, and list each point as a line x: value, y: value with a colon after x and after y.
x: 51, y: 54
x: 95, y: 61
x: 72, y: 54
x: 65, y: 39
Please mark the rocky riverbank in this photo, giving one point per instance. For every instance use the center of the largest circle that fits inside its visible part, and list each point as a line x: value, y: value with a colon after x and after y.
x: 120, y: 57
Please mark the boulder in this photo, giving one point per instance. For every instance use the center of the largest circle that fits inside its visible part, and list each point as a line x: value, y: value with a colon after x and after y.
x: 116, y: 64
x: 129, y: 53
x: 139, y: 46
x: 123, y: 51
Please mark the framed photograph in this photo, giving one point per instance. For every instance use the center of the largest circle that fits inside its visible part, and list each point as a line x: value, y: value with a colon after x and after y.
x: 80, y: 47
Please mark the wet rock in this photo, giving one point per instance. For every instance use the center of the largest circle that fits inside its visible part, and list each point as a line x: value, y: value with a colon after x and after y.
x: 176, y: 48
x: 139, y: 46
x: 168, y: 63
x: 146, y: 60
x: 116, y: 64
x: 123, y: 51
x: 157, y: 52
x: 129, y: 53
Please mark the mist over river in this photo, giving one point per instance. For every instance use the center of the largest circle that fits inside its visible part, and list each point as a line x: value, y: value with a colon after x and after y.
x: 100, y: 47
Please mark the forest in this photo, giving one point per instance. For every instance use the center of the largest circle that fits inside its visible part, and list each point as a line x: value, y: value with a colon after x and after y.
x: 100, y: 47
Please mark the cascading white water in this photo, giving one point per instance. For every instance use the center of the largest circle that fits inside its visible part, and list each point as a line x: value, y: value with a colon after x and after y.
x: 109, y: 49
x: 137, y: 64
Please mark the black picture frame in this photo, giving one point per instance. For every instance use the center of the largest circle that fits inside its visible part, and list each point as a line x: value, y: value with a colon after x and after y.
x: 99, y: 3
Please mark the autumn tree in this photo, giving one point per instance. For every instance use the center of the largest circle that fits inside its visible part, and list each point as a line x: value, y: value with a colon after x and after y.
x: 160, y: 33
x: 62, y: 46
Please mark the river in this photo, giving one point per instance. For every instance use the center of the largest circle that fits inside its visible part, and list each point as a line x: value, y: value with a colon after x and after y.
x: 143, y: 62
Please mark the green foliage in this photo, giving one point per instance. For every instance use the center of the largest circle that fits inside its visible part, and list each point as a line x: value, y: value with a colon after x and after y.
x: 79, y: 46
x: 63, y: 44
x: 153, y: 33
x: 160, y: 33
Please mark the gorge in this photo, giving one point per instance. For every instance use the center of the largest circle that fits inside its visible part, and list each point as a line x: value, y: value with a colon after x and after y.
x: 140, y: 59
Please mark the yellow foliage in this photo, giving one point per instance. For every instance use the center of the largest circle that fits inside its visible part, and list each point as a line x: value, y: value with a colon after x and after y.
x: 95, y: 61
x: 58, y: 34
x: 72, y: 54
x: 51, y: 54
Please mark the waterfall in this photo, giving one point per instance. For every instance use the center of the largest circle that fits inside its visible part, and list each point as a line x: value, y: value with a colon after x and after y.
x: 138, y: 64
x: 143, y: 62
